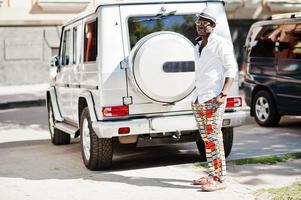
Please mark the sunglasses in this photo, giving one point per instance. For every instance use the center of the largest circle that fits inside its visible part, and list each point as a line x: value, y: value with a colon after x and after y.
x: 202, y: 23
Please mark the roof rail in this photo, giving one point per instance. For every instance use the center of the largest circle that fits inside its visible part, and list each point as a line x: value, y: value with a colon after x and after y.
x: 285, y: 16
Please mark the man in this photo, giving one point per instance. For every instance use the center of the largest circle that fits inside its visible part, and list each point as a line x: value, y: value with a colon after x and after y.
x: 215, y: 70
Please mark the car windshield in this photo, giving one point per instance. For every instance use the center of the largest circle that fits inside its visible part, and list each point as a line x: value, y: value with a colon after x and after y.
x: 144, y: 25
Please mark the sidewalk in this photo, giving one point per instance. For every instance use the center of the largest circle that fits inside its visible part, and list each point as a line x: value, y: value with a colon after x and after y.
x: 22, y: 95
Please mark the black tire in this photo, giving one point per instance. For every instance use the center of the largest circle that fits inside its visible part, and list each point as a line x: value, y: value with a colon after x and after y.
x: 201, y: 147
x: 57, y: 136
x: 227, y: 139
x: 101, y: 149
x: 264, y: 109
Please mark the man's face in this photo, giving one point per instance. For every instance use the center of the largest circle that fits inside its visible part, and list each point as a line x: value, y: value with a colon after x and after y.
x: 203, y: 26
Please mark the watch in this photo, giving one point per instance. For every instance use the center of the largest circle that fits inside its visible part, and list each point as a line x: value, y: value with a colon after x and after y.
x: 223, y: 94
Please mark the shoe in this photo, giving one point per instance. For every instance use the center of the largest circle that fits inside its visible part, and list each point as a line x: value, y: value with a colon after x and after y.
x: 213, y: 186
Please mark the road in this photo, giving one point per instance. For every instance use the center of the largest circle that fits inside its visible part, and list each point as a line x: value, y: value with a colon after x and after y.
x: 32, y: 168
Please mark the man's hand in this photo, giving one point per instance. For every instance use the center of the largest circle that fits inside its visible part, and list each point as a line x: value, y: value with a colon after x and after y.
x: 220, y: 99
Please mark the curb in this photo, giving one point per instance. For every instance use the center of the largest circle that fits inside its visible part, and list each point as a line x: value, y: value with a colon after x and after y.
x: 22, y: 104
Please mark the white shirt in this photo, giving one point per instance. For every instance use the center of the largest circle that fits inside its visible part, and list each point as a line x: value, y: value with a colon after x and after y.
x: 212, y: 66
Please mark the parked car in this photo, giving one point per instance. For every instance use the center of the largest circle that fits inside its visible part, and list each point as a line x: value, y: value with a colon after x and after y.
x: 272, y: 66
x: 125, y: 74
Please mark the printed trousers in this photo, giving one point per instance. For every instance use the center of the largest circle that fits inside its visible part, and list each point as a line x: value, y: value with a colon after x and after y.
x: 209, y: 119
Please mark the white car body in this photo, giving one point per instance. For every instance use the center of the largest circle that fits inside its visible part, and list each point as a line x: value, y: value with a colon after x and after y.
x: 108, y: 81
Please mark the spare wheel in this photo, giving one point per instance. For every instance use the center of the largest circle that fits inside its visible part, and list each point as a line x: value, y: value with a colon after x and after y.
x: 162, y: 66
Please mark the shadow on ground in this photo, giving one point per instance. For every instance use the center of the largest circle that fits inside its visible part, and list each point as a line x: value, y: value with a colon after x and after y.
x: 40, y: 160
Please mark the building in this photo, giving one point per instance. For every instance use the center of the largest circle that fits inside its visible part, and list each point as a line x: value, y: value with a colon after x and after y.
x: 30, y: 31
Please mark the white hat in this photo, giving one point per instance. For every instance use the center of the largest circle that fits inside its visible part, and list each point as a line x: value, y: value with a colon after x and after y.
x: 207, y: 13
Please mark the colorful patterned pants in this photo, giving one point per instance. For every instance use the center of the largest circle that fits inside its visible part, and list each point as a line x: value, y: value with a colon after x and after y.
x: 209, y: 121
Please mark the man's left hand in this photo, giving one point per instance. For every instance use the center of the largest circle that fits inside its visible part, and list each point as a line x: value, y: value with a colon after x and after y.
x: 219, y: 100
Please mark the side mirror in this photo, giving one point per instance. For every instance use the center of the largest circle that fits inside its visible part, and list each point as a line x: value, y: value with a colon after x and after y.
x: 54, y: 61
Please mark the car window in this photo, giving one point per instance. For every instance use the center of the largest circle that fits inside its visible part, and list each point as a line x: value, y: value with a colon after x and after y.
x: 264, y: 42
x: 144, y: 25
x: 289, y: 50
x: 90, y: 41
x: 66, y: 48
x: 289, y: 39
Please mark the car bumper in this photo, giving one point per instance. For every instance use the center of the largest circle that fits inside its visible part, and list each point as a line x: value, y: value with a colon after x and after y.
x: 109, y: 129
x: 237, y: 118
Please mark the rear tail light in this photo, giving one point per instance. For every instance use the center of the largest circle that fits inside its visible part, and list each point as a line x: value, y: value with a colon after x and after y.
x: 234, y: 102
x: 115, y: 111
x: 124, y: 130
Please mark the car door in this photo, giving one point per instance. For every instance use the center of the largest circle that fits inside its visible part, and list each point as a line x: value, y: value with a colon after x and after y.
x: 62, y: 78
x: 88, y: 70
x: 75, y: 67
x: 289, y: 68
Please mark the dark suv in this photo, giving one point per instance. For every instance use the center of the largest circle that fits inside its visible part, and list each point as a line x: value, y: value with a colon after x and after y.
x: 272, y: 68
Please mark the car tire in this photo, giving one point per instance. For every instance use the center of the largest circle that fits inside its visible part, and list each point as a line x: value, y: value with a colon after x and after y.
x: 97, y: 153
x: 57, y: 136
x: 201, y: 147
x: 227, y: 139
x: 264, y: 109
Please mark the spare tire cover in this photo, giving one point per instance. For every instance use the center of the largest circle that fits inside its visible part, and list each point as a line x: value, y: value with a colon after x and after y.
x: 162, y: 66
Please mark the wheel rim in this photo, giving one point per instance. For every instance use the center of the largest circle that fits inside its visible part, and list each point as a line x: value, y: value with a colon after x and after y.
x: 262, y: 109
x: 86, y: 139
x: 51, y: 122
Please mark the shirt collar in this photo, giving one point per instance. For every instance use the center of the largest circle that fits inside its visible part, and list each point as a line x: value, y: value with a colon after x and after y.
x: 199, y: 38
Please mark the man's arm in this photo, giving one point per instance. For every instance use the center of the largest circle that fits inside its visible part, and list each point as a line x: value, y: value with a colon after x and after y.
x: 220, y: 99
x: 230, y: 70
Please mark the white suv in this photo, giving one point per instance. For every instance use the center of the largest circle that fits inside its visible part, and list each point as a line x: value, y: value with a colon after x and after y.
x: 125, y: 74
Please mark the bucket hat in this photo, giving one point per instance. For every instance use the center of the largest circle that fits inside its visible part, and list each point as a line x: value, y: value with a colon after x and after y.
x: 207, y: 13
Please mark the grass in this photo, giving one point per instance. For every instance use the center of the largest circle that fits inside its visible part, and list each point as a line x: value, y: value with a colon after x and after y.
x: 200, y: 164
x: 269, y: 160
x: 291, y: 192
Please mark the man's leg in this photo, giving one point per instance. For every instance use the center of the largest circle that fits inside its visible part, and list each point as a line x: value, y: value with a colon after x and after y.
x: 204, y: 116
x: 219, y: 152
x: 209, y: 121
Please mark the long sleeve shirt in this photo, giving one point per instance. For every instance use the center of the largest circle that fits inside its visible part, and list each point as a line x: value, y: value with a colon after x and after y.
x: 215, y: 62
